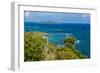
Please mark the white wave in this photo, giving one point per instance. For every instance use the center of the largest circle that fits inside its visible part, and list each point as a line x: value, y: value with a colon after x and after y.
x: 68, y: 34
x: 78, y: 41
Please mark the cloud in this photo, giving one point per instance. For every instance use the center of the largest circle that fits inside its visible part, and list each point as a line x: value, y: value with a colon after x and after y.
x: 85, y: 15
x: 27, y: 14
x: 54, y: 17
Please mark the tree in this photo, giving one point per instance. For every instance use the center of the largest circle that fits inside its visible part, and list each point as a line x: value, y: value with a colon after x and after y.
x: 70, y: 42
x: 34, y: 46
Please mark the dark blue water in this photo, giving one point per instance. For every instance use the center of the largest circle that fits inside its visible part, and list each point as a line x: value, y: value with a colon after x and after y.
x: 57, y: 33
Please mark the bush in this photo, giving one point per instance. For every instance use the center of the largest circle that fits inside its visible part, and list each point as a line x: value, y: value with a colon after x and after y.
x: 70, y: 42
x: 34, y: 46
x: 66, y: 53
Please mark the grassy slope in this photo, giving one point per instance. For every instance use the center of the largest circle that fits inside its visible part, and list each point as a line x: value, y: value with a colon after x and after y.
x: 35, y: 49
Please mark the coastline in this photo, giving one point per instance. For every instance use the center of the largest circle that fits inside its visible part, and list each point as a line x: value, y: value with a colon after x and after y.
x: 54, y: 51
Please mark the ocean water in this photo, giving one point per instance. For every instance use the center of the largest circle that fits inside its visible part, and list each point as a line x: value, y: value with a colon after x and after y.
x: 57, y: 33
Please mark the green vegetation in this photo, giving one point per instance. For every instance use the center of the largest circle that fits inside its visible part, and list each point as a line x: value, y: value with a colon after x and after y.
x: 35, y: 48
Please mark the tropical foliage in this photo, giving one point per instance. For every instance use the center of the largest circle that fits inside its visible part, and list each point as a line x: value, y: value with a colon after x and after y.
x: 36, y: 48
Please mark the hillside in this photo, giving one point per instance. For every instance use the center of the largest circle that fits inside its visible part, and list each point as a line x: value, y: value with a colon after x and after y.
x: 36, y: 48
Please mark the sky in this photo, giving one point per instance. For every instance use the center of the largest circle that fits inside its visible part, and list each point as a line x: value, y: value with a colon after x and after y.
x: 32, y: 16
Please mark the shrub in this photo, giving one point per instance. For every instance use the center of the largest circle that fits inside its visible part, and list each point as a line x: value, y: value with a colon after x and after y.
x: 34, y: 46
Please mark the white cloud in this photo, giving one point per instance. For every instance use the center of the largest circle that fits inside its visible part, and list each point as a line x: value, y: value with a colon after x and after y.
x: 27, y: 14
x: 85, y: 15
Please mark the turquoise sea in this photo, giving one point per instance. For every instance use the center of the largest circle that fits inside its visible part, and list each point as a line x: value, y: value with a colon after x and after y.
x: 57, y: 33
